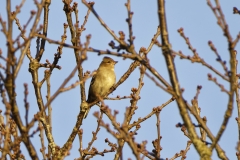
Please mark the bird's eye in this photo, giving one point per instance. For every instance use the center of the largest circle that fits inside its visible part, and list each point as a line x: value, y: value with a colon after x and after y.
x: 108, y: 62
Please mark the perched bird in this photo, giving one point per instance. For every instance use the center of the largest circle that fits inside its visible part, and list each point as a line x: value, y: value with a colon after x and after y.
x: 102, y: 81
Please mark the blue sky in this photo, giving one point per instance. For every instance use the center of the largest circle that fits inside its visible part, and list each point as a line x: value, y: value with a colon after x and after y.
x: 199, y: 24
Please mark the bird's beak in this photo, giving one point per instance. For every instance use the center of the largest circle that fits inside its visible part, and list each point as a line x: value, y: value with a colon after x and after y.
x: 115, y: 62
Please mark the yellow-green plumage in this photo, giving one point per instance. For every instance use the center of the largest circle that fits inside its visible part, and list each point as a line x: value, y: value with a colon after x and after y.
x: 102, y: 81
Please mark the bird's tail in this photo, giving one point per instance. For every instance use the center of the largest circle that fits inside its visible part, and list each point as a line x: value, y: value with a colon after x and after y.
x: 85, y: 108
x: 86, y: 113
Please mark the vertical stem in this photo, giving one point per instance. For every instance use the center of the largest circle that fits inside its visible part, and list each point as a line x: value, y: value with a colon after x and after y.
x: 158, y: 134
x: 202, y: 149
x: 45, y: 28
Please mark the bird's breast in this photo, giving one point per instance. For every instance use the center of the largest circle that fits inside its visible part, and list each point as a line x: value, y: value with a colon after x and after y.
x: 106, y: 80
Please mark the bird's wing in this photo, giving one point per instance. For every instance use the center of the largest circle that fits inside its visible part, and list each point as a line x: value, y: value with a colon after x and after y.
x: 93, y: 79
x: 91, y: 96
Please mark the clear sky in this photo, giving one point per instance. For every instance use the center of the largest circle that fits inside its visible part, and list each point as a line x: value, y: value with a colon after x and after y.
x: 199, y: 24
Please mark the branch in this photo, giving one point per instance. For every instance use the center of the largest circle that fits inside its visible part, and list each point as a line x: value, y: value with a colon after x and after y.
x: 201, y: 148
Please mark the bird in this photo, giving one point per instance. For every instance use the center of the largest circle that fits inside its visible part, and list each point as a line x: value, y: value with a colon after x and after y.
x: 102, y: 81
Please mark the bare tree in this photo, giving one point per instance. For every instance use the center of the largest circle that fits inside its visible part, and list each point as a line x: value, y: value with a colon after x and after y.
x: 18, y: 128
